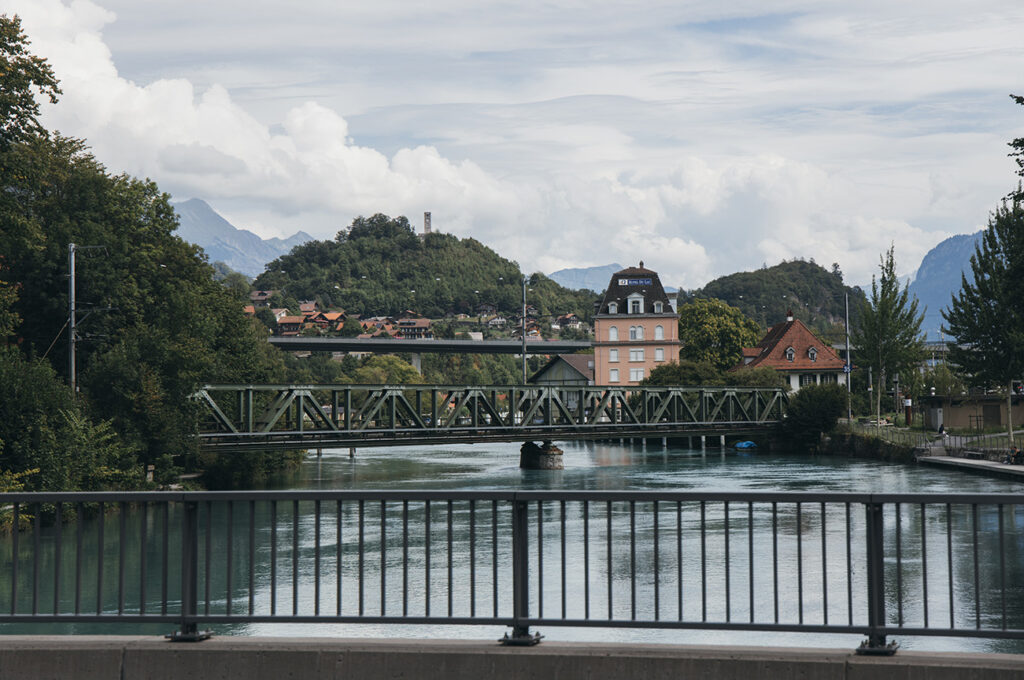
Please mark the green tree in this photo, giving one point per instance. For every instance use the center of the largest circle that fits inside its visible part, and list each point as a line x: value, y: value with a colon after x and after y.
x: 888, y: 335
x: 352, y: 327
x: 760, y: 376
x: 812, y: 411
x: 22, y: 75
x: 685, y: 373
x: 386, y: 369
x: 712, y: 331
x: 987, y: 316
x: 1018, y: 152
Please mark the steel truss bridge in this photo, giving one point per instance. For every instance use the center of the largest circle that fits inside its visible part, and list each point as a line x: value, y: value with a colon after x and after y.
x: 241, y: 417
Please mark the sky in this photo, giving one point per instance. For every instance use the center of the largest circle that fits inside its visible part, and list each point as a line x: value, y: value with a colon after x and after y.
x: 701, y: 137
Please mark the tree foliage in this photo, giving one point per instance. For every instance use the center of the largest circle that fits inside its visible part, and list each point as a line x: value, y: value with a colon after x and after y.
x: 1018, y: 152
x: 153, y: 322
x: 23, y: 75
x: 714, y: 332
x: 379, y: 266
x: 888, y: 335
x: 812, y: 411
x: 987, y: 316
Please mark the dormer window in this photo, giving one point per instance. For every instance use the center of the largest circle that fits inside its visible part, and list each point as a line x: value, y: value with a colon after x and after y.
x: 658, y: 307
x: 613, y: 308
x: 636, y: 303
x: 790, y: 354
x: 812, y: 354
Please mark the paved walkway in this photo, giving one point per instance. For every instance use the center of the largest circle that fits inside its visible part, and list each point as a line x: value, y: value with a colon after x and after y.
x: 987, y: 467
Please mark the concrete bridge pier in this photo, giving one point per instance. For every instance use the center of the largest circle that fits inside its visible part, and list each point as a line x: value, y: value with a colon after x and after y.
x: 351, y: 452
x: 721, y: 440
x: 703, y: 442
x: 547, y: 456
x: 416, y: 359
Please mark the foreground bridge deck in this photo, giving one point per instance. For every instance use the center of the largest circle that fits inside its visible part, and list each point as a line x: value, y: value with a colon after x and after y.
x: 238, y: 417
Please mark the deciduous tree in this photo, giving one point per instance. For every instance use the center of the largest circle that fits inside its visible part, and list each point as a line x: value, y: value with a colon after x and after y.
x: 714, y: 332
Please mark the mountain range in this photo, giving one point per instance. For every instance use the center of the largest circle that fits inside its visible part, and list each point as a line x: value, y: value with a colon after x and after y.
x: 239, y: 249
x: 937, y: 279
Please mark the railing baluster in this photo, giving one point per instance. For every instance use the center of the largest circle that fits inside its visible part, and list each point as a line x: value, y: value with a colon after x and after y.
x: 58, y: 540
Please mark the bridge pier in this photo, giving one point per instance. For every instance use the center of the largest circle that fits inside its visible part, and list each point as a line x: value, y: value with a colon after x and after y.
x: 544, y: 457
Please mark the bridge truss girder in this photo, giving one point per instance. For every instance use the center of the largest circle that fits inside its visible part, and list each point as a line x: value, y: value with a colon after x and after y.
x: 309, y: 416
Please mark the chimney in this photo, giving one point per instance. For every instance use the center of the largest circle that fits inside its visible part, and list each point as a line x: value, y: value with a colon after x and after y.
x: 426, y: 223
x: 789, y: 315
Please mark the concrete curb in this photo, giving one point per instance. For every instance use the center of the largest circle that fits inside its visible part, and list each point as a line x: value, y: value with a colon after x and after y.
x: 254, y: 658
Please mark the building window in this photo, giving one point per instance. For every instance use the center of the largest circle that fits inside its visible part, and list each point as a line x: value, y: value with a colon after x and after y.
x: 613, y: 375
x: 636, y: 374
x: 790, y: 354
x: 828, y: 378
x: 636, y: 355
x: 806, y: 379
x: 636, y: 332
x: 613, y: 308
x: 658, y: 307
x: 659, y: 333
x: 613, y: 356
x: 636, y: 306
x: 613, y: 334
x: 812, y: 354
x: 659, y: 354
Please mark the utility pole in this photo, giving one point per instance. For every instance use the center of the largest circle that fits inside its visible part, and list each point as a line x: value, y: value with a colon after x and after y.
x: 524, y: 329
x: 849, y: 365
x: 71, y: 320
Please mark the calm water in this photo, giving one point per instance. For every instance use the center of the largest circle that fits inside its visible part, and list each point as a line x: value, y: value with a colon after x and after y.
x: 611, y: 466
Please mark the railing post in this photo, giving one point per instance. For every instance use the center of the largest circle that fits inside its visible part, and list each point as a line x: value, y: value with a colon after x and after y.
x: 189, y: 630
x: 875, y: 644
x: 520, y: 578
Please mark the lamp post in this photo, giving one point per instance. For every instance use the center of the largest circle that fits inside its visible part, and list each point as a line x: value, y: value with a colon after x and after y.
x: 524, y: 329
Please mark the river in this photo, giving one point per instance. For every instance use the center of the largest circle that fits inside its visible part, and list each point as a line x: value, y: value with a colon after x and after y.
x: 610, y: 466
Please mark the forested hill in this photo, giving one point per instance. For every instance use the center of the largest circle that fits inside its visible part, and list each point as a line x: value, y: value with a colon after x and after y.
x: 815, y: 294
x: 381, y: 266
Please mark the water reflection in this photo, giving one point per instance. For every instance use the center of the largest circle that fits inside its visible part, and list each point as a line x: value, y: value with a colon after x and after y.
x: 730, y: 572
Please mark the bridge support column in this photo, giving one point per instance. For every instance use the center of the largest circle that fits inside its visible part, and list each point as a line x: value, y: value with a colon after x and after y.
x: 664, y: 442
x: 703, y: 442
x: 721, y: 441
x: 351, y: 452
x: 544, y: 457
x: 416, y: 359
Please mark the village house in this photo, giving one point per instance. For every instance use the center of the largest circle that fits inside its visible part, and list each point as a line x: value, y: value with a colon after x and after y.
x: 261, y: 297
x: 414, y: 329
x: 793, y: 350
x: 290, y: 325
x: 635, y: 329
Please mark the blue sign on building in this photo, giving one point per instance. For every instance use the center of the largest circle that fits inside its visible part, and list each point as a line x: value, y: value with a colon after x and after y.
x: 634, y: 282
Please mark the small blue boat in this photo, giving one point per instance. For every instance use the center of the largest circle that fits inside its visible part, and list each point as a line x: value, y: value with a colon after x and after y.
x: 745, y: 445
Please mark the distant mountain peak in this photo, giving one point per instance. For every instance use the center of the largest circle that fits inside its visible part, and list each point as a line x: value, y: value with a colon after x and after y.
x: 240, y: 249
x: 585, y: 278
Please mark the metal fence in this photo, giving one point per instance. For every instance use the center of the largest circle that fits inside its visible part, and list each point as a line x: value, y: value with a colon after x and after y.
x: 875, y: 565
x: 893, y: 435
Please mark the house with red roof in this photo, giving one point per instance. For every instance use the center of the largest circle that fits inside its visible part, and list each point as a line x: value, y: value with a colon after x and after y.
x: 793, y: 350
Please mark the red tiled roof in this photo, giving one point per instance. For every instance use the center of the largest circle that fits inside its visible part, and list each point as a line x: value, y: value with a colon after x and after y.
x: 771, y: 351
x: 291, y: 319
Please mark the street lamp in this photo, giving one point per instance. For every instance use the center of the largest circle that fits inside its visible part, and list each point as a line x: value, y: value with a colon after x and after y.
x: 522, y: 322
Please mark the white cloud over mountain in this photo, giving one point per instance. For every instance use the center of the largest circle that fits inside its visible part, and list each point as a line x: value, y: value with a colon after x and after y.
x: 700, y: 141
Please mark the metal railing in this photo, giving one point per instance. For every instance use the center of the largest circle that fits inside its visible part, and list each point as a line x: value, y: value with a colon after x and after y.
x: 304, y: 416
x: 875, y: 565
x: 894, y: 435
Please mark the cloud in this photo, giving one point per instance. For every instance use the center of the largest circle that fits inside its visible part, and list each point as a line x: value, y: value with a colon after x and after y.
x: 702, y: 140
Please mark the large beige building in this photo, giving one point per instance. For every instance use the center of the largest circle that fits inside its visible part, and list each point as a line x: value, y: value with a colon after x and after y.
x: 635, y: 328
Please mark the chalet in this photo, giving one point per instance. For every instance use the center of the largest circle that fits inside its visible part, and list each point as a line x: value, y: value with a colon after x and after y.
x: 567, y: 321
x: 497, y: 322
x: 486, y: 309
x: 250, y: 310
x: 261, y: 297
x: 414, y: 329
x: 308, y: 307
x: 290, y: 325
x: 278, y: 312
x: 793, y: 350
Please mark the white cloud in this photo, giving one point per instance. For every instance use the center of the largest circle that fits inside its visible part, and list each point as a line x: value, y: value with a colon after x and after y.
x: 701, y: 140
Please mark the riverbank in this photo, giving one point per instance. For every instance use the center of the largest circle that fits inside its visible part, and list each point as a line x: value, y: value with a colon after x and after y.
x: 236, y: 658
